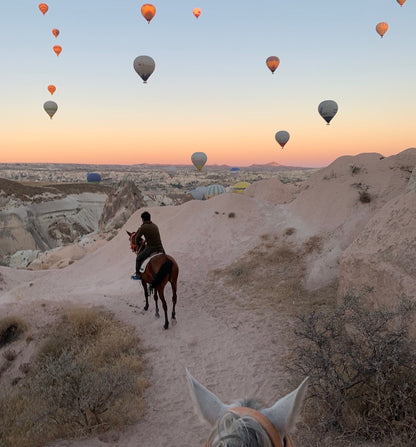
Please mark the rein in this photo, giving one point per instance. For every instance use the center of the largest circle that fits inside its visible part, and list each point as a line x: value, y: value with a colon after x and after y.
x: 265, y: 423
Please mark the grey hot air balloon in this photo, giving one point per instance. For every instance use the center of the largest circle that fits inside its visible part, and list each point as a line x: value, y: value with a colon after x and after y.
x: 50, y: 108
x: 282, y: 137
x: 144, y: 66
x: 328, y: 109
x: 199, y: 159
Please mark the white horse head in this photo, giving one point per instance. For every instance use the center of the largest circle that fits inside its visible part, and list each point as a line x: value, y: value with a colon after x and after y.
x: 244, y: 423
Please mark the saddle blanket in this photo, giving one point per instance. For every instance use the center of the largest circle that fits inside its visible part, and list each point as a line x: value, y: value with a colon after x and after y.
x: 147, y: 260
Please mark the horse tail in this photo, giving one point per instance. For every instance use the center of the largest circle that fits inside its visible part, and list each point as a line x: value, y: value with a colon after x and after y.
x: 164, y: 270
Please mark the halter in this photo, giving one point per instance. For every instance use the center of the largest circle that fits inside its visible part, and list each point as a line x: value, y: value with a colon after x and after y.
x: 265, y: 423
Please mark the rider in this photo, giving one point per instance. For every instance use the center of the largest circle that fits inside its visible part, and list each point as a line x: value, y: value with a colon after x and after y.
x: 151, y: 234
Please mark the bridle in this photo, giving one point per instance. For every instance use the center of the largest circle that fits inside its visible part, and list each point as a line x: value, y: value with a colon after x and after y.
x: 136, y: 248
x: 265, y: 423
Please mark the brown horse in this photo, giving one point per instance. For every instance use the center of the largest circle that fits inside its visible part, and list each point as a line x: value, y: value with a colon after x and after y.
x: 160, y: 270
x: 245, y: 422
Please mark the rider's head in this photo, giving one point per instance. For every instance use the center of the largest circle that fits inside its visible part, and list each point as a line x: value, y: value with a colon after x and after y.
x: 145, y: 217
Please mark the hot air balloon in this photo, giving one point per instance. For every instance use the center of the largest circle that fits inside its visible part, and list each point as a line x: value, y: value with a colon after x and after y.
x: 282, y: 137
x: 43, y: 8
x: 240, y: 187
x: 328, y: 109
x: 50, y: 108
x: 214, y: 190
x: 171, y: 170
x: 235, y: 171
x: 51, y: 89
x: 272, y: 62
x: 148, y: 11
x: 93, y: 177
x: 401, y: 2
x: 144, y: 66
x: 55, y: 32
x: 199, y: 159
x: 197, y: 12
x: 198, y: 193
x: 57, y: 49
x: 381, y: 28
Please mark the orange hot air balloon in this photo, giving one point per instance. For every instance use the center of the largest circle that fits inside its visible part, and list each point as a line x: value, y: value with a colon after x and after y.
x: 401, y: 2
x: 197, y: 12
x: 55, y: 32
x: 148, y: 11
x: 381, y: 28
x: 57, y: 49
x: 51, y: 89
x: 43, y: 8
x: 272, y: 62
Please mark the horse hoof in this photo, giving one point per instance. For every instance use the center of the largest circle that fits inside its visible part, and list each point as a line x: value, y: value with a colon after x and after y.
x: 173, y: 321
x: 157, y: 315
x: 146, y: 307
x: 166, y: 325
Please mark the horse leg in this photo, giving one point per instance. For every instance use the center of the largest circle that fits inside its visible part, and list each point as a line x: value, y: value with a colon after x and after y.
x: 165, y: 306
x: 157, y: 307
x: 174, y: 299
x: 146, y: 295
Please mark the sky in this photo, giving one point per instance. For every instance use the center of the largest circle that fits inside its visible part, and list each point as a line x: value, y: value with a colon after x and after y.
x: 211, y: 90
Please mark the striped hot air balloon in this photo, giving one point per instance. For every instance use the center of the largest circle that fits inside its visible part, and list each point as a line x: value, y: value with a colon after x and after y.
x: 240, y: 187
x: 214, y: 190
x: 43, y: 8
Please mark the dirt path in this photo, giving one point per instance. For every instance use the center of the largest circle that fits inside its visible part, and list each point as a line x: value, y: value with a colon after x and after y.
x: 221, y: 344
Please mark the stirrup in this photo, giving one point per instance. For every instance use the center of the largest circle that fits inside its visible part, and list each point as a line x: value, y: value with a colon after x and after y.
x: 136, y: 276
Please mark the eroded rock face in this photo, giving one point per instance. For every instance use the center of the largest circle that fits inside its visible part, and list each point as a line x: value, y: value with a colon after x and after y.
x: 382, y: 259
x: 48, y: 224
x: 121, y: 203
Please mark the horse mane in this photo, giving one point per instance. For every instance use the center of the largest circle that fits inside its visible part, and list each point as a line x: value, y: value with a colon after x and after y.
x: 234, y: 430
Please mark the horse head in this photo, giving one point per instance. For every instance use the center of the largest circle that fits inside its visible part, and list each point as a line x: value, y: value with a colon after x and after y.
x: 245, y: 422
x: 136, y: 248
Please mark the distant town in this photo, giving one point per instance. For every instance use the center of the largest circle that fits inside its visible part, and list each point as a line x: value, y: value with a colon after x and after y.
x: 160, y: 184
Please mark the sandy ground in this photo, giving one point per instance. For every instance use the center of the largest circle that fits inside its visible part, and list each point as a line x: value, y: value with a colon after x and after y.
x: 233, y: 351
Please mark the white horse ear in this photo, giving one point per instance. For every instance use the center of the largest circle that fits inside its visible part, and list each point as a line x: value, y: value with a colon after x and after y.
x: 284, y: 413
x: 210, y: 407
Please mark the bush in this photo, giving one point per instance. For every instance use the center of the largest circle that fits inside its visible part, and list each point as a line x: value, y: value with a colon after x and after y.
x: 364, y: 197
x: 361, y: 363
x: 86, y: 379
x: 10, y: 329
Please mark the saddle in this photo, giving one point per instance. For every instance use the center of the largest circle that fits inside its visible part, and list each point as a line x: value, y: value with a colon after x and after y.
x: 147, y: 260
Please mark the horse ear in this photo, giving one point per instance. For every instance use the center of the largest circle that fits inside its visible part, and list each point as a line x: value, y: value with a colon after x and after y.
x: 128, y: 232
x: 284, y: 413
x: 209, y: 405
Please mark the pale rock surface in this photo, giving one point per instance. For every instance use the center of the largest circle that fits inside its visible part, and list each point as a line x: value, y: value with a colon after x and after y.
x: 381, y: 261
x: 121, y: 203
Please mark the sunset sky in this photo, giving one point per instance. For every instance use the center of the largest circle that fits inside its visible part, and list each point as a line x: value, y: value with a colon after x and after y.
x: 211, y: 90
